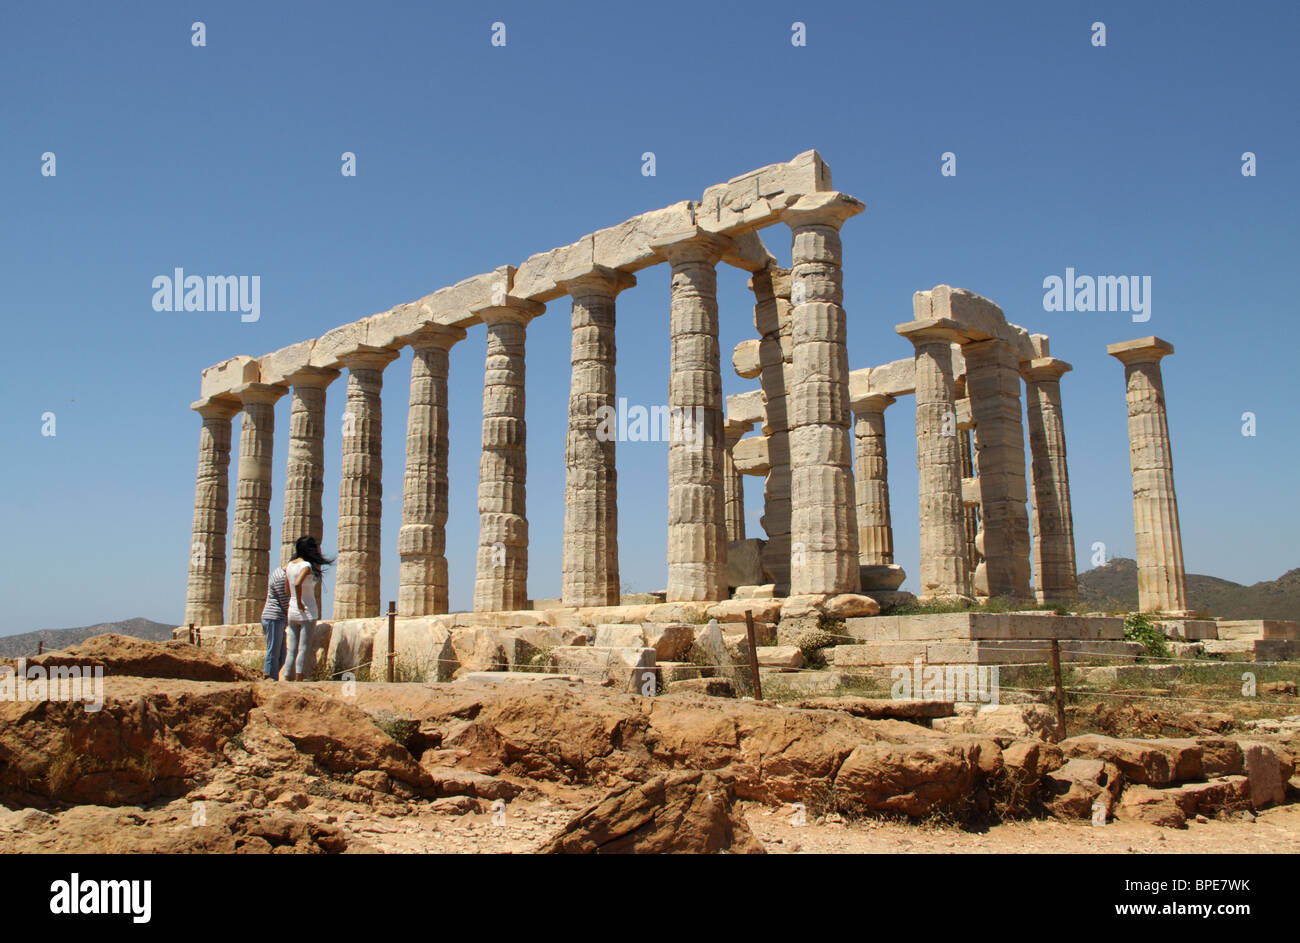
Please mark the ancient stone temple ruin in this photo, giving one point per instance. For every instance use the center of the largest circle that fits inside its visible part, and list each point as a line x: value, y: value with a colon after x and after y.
x: 819, y: 443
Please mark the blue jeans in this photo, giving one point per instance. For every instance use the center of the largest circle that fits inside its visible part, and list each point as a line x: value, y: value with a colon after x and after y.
x: 273, y: 629
x: 299, y: 646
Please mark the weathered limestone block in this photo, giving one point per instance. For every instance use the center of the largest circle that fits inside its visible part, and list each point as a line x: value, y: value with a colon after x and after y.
x: 779, y: 656
x: 888, y: 577
x: 733, y: 486
x: 501, y: 581
x: 671, y: 642
x: 422, y: 539
x: 628, y: 667
x: 944, y: 569
x: 619, y: 635
x: 823, y: 521
x: 424, y: 652
x: 207, y: 570
x: 250, y: 538
x: 1081, y: 783
x: 361, y: 485
x: 1161, y: 577
x: 733, y: 610
x: 697, y: 538
x: 747, y: 360
x: 850, y: 605
x: 1053, y: 517
x: 221, y: 380
x: 745, y: 562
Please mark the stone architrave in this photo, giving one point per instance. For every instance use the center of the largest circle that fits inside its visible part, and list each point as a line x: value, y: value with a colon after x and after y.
x: 875, y: 529
x: 823, y: 518
x: 422, y: 540
x: 305, y: 466
x: 207, y: 571
x: 1053, y: 519
x: 589, y: 566
x: 361, y: 486
x: 993, y: 385
x: 1162, y: 585
x: 697, y: 529
x: 944, y: 564
x: 501, y: 580
x: 250, y: 537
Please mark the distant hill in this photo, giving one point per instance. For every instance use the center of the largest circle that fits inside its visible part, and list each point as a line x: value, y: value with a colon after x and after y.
x: 25, y: 645
x: 1114, y: 586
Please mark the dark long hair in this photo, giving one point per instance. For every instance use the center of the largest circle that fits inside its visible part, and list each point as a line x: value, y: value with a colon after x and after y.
x: 306, y: 548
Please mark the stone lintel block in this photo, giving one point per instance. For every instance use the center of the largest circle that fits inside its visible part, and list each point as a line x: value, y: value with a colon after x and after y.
x: 897, y: 378
x: 978, y: 316
x: 330, y: 347
x: 755, y: 199
x: 435, y: 335
x: 452, y: 305
x: 751, y: 456
x: 225, y: 376
x: 875, y: 653
x: 1140, y: 350
x: 280, y: 366
x: 540, y: 275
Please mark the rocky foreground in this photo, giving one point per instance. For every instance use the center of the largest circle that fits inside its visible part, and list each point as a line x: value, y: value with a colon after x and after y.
x: 189, y: 753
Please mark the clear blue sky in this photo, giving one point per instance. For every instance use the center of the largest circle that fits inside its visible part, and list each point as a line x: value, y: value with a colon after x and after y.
x: 225, y: 160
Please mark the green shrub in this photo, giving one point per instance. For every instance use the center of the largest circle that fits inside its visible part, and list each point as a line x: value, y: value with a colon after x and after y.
x: 1139, y: 628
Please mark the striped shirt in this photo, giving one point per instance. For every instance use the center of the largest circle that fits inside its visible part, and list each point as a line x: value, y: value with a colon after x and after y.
x: 277, y: 597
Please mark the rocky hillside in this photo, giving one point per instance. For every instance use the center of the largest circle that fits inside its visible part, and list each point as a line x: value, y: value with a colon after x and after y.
x: 26, y: 644
x: 1114, y: 586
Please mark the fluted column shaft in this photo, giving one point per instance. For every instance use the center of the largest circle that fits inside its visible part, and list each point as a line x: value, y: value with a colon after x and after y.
x: 304, y: 489
x: 250, y: 539
x: 501, y: 581
x: 207, y: 571
x: 1054, y: 561
x: 422, y: 539
x: 1161, y: 576
x: 993, y: 385
x: 823, y: 520
x: 697, y: 529
x: 361, y: 486
x: 944, y: 570
x: 733, y: 492
x: 871, y: 475
x: 589, y: 565
x: 771, y: 288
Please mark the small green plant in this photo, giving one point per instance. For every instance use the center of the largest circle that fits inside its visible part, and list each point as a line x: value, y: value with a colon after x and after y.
x: 1139, y: 628
x: 401, y: 729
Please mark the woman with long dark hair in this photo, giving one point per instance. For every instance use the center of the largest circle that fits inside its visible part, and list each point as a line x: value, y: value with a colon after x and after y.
x: 303, y: 572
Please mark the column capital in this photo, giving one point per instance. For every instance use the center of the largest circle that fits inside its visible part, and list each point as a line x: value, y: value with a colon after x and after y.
x: 691, y: 245
x: 509, y: 310
x: 871, y: 403
x: 1043, y: 369
x: 366, y: 357
x: 223, y: 406
x: 267, y: 393
x: 1141, y: 350
x: 829, y: 208
x: 312, y: 377
x: 933, y: 330
x: 441, y: 336
x: 595, y: 280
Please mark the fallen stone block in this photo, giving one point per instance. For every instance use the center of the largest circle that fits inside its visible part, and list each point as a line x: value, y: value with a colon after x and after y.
x: 1264, y: 771
x: 779, y: 656
x: 619, y: 635
x: 880, y: 708
x: 671, y: 642
x: 713, y: 687
x: 1074, y: 788
x: 1150, y: 762
x: 624, y: 667
x: 885, y: 576
x: 1006, y: 720
x: 850, y: 605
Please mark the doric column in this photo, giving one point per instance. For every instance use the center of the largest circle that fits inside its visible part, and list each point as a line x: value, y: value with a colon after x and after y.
x: 589, y: 566
x: 733, y: 485
x: 1054, y: 564
x: 501, y: 583
x: 1161, y: 579
x: 823, y: 519
x: 944, y: 570
x: 697, y: 529
x: 422, y: 540
x: 993, y: 385
x: 771, y: 288
x: 304, y: 469
x: 871, y: 475
x: 250, y: 538
x: 207, y: 572
x: 361, y: 486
